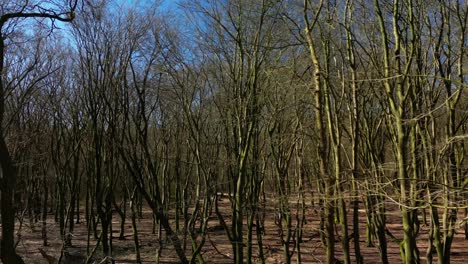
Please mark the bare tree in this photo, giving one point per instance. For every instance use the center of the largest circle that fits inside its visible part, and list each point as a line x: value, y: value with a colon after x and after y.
x: 12, y: 15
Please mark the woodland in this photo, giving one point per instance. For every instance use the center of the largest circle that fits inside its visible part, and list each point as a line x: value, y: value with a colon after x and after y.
x: 234, y: 131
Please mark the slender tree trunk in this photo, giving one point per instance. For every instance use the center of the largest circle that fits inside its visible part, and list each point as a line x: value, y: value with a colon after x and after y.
x: 329, y: 183
x: 136, y: 240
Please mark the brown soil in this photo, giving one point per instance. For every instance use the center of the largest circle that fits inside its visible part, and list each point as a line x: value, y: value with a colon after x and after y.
x: 217, y: 248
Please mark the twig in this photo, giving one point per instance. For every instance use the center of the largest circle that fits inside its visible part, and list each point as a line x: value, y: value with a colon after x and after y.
x: 214, y: 246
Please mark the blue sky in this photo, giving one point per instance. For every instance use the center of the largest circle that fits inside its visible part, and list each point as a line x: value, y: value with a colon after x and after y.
x: 165, y: 4
x: 169, y: 4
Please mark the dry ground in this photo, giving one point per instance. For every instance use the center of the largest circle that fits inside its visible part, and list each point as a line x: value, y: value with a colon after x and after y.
x: 312, y: 251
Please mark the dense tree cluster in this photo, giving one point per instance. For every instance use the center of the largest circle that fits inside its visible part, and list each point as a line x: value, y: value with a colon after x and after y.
x: 107, y: 108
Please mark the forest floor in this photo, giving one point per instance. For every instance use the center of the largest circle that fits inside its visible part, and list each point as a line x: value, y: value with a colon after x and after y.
x: 217, y: 248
